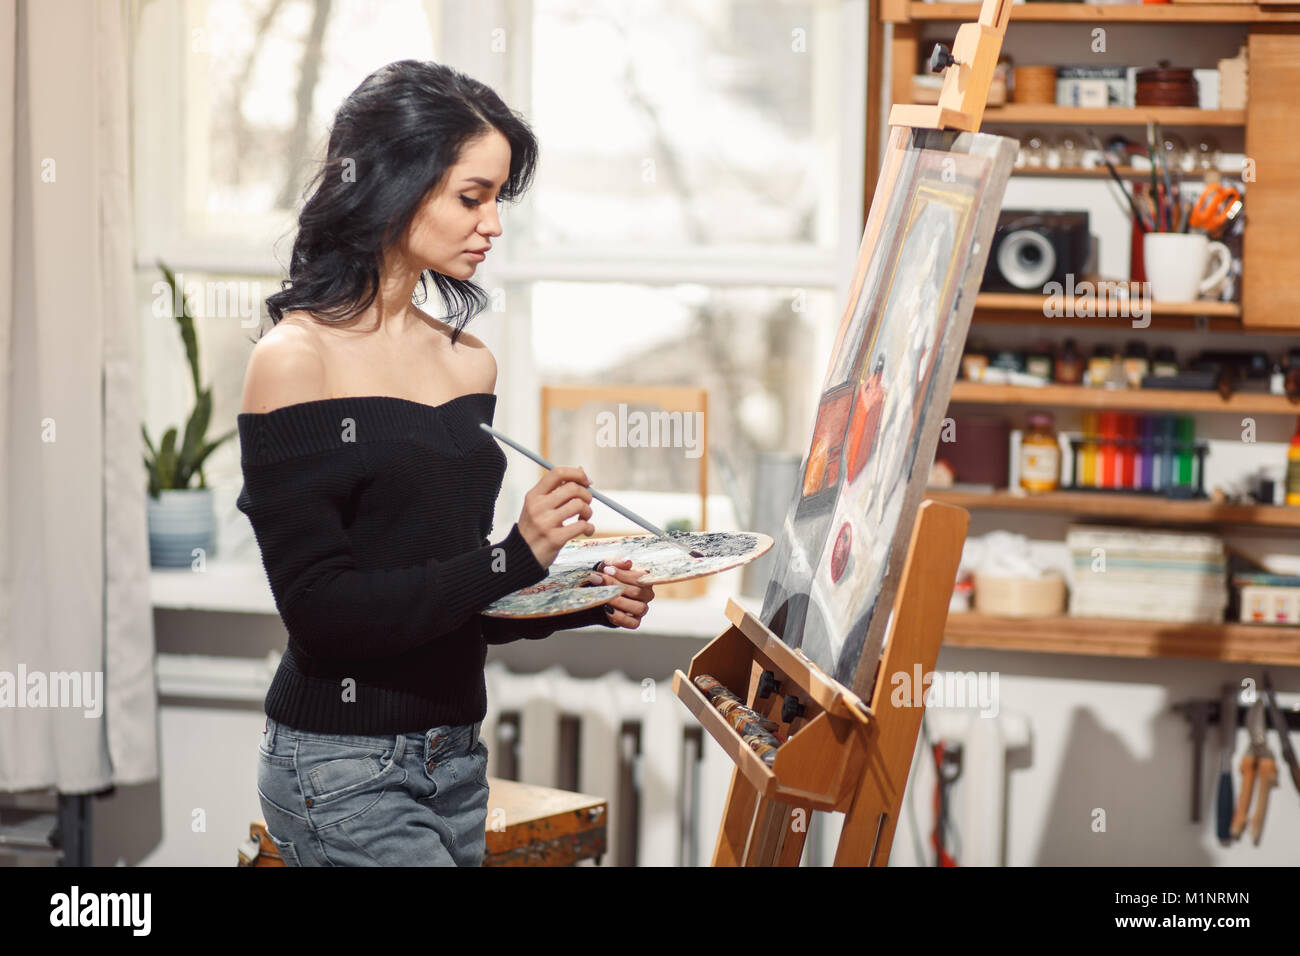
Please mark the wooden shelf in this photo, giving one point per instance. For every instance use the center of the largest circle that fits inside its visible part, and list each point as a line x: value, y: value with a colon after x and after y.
x: 1166, y: 116
x: 1141, y: 508
x: 1131, y: 399
x: 1011, y: 308
x: 1099, y: 172
x: 1111, y: 13
x: 1116, y: 637
x: 1022, y: 302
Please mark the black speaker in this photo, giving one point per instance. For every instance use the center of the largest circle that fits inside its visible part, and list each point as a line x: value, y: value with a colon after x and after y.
x: 1032, y: 248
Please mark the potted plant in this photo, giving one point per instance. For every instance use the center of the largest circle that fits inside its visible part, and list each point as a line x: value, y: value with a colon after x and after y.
x: 182, y: 518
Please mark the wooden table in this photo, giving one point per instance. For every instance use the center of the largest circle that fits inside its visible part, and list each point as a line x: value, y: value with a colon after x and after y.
x: 527, y: 825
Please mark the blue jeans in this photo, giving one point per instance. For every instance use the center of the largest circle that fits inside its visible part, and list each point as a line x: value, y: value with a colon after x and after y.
x: 416, y: 799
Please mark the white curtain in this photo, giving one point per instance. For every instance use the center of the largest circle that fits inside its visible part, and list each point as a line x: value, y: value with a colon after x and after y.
x: 74, y: 562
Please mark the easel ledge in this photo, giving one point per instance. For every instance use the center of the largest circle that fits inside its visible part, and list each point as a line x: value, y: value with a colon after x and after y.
x: 966, y: 81
x: 841, y: 752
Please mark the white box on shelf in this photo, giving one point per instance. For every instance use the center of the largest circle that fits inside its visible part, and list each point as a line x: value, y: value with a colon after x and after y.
x: 1207, y: 88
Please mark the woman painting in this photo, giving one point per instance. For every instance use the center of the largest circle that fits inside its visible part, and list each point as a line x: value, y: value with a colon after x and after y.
x: 371, y: 488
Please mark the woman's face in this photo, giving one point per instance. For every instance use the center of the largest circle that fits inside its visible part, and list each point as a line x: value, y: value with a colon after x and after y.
x: 453, y: 228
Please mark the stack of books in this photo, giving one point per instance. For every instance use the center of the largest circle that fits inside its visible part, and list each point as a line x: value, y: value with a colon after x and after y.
x: 1147, y: 575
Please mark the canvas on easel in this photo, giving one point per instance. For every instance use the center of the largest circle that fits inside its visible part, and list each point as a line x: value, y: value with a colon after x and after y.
x: 885, y: 396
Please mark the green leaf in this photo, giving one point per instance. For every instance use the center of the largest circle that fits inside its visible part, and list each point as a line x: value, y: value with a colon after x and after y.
x: 167, y: 460
x: 207, y: 450
x: 195, y: 429
x: 186, y: 323
x: 153, y: 478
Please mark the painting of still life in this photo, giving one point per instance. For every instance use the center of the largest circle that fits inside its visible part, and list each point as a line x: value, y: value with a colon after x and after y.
x: 885, y: 396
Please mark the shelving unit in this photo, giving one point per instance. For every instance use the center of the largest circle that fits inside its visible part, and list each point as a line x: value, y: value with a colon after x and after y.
x: 1145, y: 509
x: 1270, y: 296
x: 1117, y: 637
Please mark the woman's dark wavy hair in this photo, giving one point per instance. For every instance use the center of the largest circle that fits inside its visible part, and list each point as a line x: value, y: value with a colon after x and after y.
x: 392, y: 141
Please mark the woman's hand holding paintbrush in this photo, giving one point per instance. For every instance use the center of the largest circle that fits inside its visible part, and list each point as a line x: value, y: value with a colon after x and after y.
x: 553, y: 503
x: 559, y: 496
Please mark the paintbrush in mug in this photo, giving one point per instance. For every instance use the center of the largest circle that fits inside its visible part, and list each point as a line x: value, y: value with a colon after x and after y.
x: 1169, y: 186
x: 1114, y: 174
x: 626, y: 513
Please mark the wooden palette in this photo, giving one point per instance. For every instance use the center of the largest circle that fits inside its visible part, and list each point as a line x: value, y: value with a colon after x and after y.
x: 566, y: 589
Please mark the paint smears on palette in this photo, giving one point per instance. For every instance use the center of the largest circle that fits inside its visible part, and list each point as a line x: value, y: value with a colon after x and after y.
x: 565, y: 588
x: 555, y: 594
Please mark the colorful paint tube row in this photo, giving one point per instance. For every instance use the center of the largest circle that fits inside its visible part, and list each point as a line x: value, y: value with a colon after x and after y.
x: 1136, y: 452
x: 754, y: 728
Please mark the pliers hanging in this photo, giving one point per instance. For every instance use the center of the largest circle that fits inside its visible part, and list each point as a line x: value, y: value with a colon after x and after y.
x: 1257, y: 766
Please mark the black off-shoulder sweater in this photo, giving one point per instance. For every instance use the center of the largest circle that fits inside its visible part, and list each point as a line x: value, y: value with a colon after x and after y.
x: 372, y: 514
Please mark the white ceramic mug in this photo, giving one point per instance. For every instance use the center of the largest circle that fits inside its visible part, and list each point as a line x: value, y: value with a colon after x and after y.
x: 1176, y: 262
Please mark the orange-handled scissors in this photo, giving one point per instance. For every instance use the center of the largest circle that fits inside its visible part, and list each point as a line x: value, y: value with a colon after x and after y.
x: 1215, y: 206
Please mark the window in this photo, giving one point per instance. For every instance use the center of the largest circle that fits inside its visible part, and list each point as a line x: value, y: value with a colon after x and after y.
x: 694, y: 219
x: 680, y: 124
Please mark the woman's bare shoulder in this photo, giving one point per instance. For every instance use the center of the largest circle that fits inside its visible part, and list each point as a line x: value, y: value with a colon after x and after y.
x: 471, y: 353
x: 481, y: 361
x: 286, y: 367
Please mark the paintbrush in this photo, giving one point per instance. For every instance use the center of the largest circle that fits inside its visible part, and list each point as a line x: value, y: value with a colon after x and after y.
x: 1178, y: 202
x: 1137, y: 215
x: 625, y: 512
x: 1151, y: 157
x: 1169, y: 186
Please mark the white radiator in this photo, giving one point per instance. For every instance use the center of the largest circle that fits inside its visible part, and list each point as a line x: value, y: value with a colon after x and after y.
x: 679, y: 789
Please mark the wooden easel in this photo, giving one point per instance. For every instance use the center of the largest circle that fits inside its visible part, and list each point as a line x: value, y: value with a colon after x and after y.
x: 843, y: 753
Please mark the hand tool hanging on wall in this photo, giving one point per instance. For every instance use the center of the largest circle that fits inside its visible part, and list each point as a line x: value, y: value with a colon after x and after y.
x: 1197, y: 713
x: 947, y: 766
x: 1227, y: 734
x: 1257, y: 768
x: 1278, y: 720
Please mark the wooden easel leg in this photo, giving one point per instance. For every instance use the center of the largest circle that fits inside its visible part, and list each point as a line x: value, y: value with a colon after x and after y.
x: 757, y: 832
x: 868, y: 833
x: 920, y: 613
x: 737, y: 820
x: 764, y: 847
x: 795, y: 837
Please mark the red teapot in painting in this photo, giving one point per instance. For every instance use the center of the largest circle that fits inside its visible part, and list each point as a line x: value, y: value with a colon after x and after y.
x: 865, y: 420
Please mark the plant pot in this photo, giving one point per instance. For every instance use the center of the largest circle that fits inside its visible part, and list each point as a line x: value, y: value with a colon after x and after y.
x: 181, y: 520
